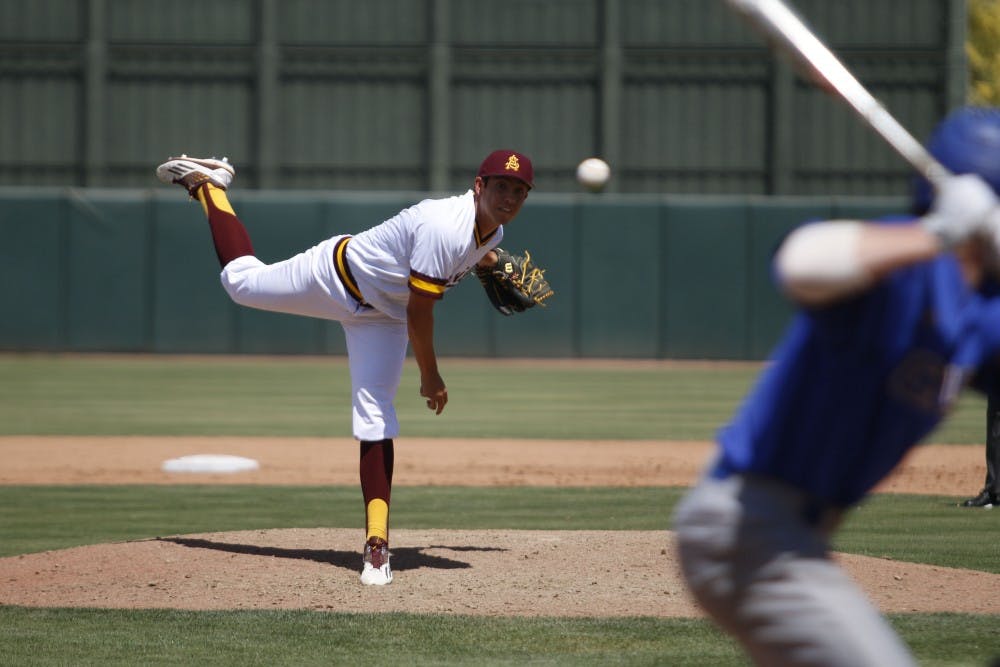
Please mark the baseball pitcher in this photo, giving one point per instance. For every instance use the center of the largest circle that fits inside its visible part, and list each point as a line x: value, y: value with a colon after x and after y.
x: 381, y: 285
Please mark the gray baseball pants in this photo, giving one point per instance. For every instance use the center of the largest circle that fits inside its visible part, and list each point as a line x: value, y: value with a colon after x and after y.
x: 755, y: 555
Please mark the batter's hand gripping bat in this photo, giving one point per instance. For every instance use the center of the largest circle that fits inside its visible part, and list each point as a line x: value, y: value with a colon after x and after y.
x: 787, y: 33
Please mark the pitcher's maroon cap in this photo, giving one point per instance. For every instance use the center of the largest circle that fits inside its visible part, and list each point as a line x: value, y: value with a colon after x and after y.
x: 508, y: 163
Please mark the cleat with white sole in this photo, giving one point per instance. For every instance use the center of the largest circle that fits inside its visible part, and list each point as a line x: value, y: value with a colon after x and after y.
x: 376, y: 570
x: 190, y: 173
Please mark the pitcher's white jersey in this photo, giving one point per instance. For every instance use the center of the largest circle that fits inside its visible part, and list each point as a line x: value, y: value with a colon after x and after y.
x: 426, y: 248
x: 364, y: 282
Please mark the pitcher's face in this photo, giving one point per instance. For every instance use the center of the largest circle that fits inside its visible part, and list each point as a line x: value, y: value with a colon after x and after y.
x: 500, y: 198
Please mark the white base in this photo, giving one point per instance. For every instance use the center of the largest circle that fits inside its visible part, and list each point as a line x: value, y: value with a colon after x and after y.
x: 210, y: 463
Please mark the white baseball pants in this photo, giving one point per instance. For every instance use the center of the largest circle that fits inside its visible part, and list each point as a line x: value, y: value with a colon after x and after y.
x: 762, y: 571
x: 307, y: 285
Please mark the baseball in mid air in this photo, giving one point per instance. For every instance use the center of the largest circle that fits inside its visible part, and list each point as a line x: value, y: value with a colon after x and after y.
x: 593, y: 173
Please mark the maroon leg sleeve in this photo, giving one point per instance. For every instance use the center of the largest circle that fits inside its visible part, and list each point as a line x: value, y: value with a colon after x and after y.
x: 376, y: 469
x: 228, y: 233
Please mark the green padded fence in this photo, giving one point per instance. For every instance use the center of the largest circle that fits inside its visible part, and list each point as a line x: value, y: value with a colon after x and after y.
x: 635, y: 276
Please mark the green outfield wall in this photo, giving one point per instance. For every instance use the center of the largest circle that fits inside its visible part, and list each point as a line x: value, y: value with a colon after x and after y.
x: 86, y: 270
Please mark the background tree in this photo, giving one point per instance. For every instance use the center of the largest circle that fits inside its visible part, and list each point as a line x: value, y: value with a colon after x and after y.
x: 983, y: 51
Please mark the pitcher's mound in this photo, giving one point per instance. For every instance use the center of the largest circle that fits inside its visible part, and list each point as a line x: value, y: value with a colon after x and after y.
x: 490, y: 572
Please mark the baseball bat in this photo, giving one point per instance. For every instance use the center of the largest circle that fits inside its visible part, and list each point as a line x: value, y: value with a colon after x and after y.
x: 787, y: 33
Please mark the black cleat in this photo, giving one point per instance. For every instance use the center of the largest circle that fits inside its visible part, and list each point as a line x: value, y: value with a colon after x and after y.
x: 985, y: 499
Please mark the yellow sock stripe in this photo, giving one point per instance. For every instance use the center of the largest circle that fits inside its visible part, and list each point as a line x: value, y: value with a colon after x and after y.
x: 378, y: 519
x: 219, y: 198
x: 200, y: 195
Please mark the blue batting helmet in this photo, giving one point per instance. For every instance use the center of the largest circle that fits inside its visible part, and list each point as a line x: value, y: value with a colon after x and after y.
x: 966, y: 141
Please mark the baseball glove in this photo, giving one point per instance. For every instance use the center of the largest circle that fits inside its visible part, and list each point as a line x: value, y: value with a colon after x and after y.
x: 515, y: 283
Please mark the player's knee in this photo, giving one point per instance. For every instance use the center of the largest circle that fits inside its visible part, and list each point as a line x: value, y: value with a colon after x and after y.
x: 238, y: 292
x: 236, y: 279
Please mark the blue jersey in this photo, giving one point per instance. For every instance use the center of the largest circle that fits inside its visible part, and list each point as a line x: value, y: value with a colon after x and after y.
x: 853, y: 386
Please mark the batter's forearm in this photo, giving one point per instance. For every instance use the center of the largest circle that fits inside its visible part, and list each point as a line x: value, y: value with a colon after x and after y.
x: 823, y: 262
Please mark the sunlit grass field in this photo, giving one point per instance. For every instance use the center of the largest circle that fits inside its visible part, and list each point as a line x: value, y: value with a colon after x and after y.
x: 296, y: 397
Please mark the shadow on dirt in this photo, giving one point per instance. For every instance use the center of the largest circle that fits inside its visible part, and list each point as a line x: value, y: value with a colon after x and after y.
x: 403, y: 558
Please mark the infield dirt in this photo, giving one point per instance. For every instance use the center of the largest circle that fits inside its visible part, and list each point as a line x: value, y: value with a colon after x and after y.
x: 495, y: 572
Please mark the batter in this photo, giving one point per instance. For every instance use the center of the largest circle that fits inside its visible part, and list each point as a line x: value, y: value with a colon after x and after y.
x: 381, y: 285
x: 896, y: 317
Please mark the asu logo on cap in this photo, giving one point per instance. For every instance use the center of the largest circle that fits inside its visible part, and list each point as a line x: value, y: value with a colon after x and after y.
x: 508, y: 163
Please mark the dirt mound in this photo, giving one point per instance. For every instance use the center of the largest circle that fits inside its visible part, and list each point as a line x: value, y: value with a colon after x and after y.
x: 564, y: 573
x: 490, y: 572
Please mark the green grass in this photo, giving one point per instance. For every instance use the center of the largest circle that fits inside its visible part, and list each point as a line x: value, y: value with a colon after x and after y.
x: 923, y: 529
x: 46, y: 637
x: 266, y: 396
x: 117, y: 637
x: 39, y: 518
x: 104, y: 395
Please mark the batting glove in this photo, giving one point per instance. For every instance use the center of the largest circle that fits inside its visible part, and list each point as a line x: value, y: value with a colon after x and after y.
x: 963, y: 206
